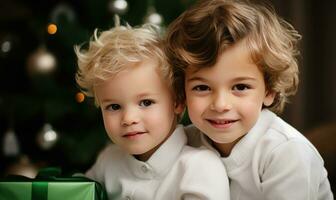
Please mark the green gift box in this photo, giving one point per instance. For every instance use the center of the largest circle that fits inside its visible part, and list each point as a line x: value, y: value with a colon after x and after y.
x: 47, y: 186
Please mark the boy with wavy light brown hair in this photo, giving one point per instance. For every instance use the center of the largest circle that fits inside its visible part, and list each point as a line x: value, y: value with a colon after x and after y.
x: 235, y: 64
x: 126, y: 71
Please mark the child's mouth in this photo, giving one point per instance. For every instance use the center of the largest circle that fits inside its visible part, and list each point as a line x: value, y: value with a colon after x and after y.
x: 132, y: 135
x: 221, y: 123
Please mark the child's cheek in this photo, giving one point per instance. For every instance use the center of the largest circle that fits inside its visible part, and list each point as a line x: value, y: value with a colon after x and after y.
x: 195, y: 108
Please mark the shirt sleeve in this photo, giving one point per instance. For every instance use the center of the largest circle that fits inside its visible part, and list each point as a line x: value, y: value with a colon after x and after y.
x: 292, y: 171
x: 96, y: 172
x: 204, y: 178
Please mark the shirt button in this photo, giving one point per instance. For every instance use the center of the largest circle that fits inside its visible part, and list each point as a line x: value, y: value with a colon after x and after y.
x: 144, y: 168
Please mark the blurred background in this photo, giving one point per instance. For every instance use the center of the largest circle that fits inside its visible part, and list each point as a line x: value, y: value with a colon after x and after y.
x: 46, y: 121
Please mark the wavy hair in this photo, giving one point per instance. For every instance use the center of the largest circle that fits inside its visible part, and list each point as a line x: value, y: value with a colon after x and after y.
x: 203, y: 32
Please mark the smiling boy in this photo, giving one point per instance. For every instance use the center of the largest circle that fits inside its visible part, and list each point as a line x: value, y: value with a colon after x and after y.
x: 235, y: 64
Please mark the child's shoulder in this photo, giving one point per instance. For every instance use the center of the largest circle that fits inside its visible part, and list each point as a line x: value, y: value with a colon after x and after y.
x: 273, y: 128
x: 282, y: 137
x: 199, y: 155
x: 279, y: 131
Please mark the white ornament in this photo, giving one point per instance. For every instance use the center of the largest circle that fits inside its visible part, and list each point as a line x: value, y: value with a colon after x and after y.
x: 47, y: 137
x: 10, y: 144
x: 118, y: 6
x: 153, y: 17
x: 41, y: 62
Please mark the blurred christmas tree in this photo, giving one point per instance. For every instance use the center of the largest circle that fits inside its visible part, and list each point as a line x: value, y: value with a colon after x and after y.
x: 44, y: 120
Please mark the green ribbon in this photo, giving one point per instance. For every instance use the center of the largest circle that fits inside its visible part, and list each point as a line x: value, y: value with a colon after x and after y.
x: 39, y: 191
x: 46, y: 175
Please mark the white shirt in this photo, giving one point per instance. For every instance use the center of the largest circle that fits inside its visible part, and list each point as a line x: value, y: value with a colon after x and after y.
x: 272, y: 161
x: 175, y: 171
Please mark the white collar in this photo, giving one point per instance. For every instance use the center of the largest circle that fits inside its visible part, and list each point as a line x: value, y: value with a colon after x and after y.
x: 163, y: 158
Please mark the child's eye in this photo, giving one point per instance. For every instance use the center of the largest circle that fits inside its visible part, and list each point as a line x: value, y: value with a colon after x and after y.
x: 201, y: 88
x: 146, y: 102
x: 241, y: 87
x: 113, y: 107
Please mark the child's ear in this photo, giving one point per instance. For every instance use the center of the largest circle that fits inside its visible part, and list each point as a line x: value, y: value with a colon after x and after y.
x: 179, y: 108
x: 269, y: 98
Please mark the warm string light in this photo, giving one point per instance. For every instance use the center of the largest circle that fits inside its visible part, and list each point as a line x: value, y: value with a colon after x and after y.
x: 52, y: 28
x: 80, y: 97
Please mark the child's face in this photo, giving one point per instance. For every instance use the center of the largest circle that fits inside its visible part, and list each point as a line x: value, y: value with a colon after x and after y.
x: 138, y: 109
x: 224, y: 101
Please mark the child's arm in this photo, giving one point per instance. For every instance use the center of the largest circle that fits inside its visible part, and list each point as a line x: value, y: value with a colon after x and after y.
x: 204, y: 177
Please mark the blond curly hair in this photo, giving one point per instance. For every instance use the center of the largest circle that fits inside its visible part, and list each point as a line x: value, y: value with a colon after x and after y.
x: 111, y: 51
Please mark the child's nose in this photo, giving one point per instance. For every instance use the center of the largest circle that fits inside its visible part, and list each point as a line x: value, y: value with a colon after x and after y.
x: 220, y: 103
x: 130, y: 116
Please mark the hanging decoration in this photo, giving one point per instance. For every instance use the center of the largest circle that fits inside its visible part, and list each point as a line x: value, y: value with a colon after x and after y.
x: 41, y: 61
x: 152, y: 16
x: 10, y: 145
x: 8, y: 42
x: 52, y: 28
x: 119, y: 7
x: 47, y: 137
x: 61, y: 12
x: 6, y: 46
x: 80, y: 97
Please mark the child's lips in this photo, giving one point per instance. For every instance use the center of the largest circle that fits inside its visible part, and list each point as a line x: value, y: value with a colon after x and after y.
x: 222, y: 123
x: 133, y: 134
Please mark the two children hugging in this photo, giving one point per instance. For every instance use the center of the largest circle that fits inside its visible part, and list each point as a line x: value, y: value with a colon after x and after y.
x: 233, y: 64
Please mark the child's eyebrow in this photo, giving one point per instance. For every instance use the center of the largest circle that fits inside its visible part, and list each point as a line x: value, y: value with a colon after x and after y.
x: 147, y: 94
x: 196, y: 78
x: 107, y: 100
x: 244, y: 78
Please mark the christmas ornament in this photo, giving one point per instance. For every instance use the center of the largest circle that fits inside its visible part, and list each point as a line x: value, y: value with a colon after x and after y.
x: 10, y: 144
x: 47, y: 137
x: 52, y: 29
x: 153, y: 17
x: 8, y: 43
x: 62, y: 11
x: 119, y: 7
x: 41, y: 61
x: 6, y: 46
x: 80, y: 97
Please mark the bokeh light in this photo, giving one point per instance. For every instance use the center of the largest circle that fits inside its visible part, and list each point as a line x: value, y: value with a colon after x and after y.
x: 80, y: 97
x: 52, y: 29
